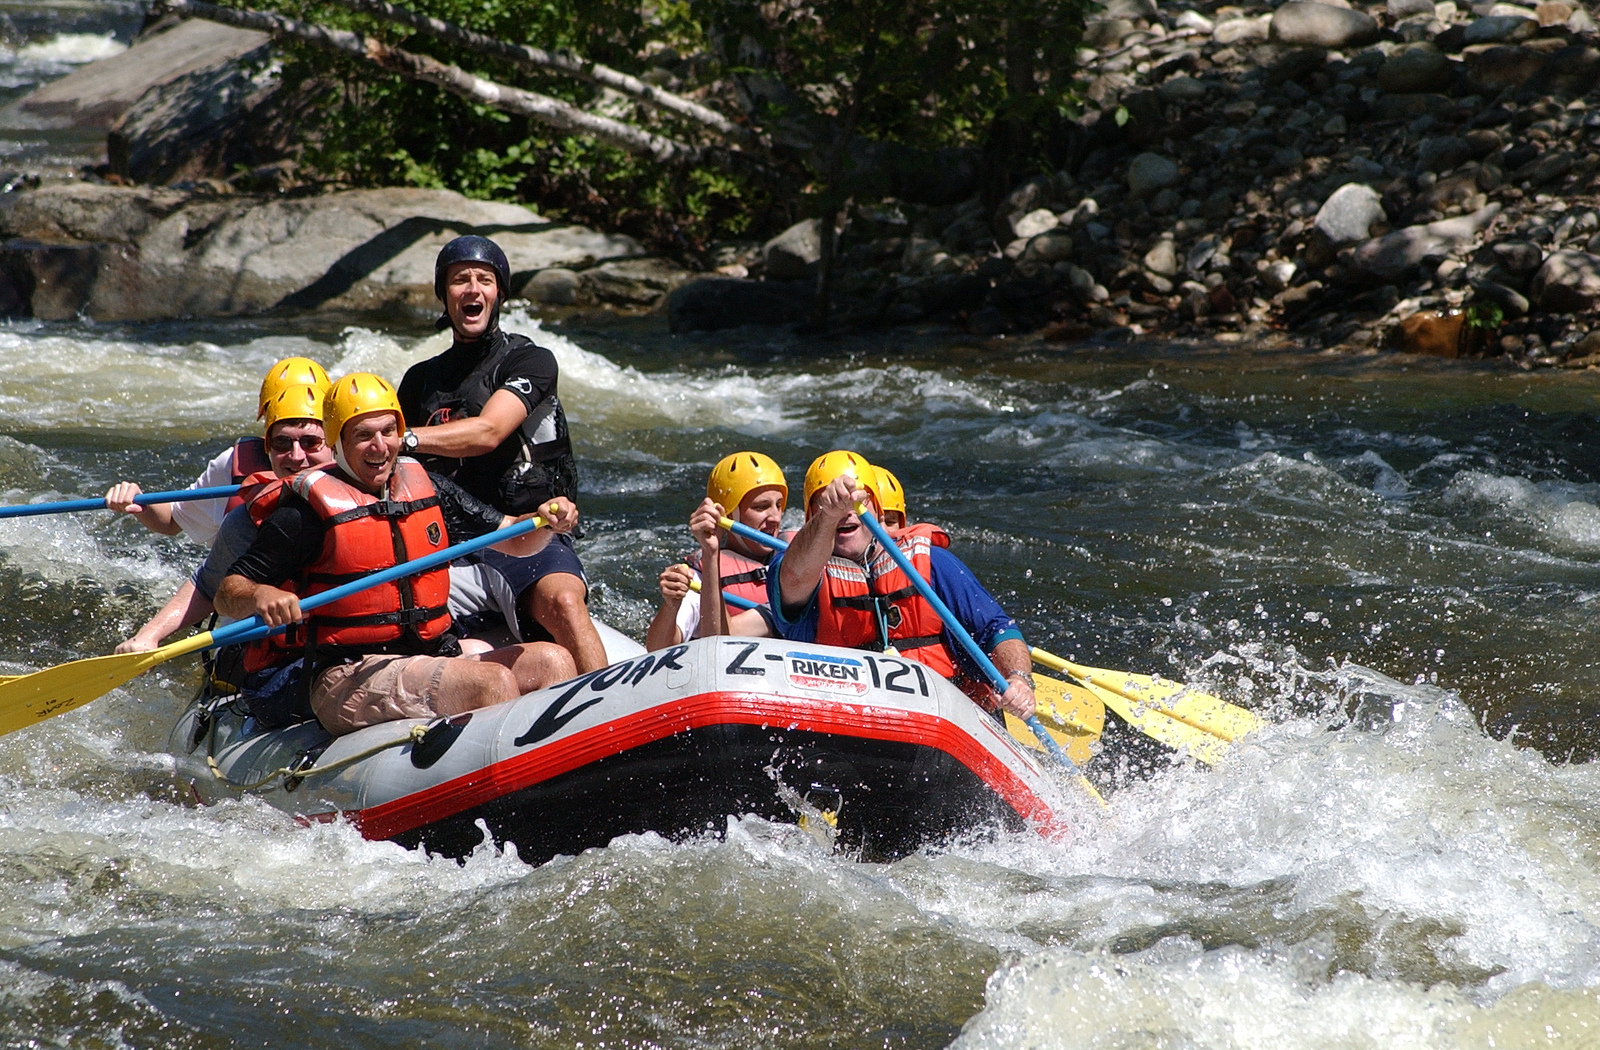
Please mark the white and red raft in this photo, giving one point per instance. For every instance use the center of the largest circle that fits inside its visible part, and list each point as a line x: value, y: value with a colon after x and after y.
x: 673, y: 742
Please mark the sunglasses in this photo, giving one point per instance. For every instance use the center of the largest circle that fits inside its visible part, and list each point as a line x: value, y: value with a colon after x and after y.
x: 285, y: 443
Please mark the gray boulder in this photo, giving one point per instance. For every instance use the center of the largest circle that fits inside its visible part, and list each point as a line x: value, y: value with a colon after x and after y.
x: 1415, y: 69
x: 151, y: 254
x: 1051, y: 246
x: 556, y: 286
x: 1519, y: 258
x: 715, y: 303
x: 636, y: 283
x: 1499, y: 29
x: 1392, y: 256
x: 1567, y: 282
x: 1299, y: 23
x: 1443, y: 153
x: 1149, y: 172
x: 190, y: 126
x: 790, y: 255
x: 1349, y: 213
x: 1162, y: 258
x: 1399, y: 9
x: 97, y: 94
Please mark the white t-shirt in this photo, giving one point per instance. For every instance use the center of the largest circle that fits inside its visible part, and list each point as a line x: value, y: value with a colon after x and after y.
x: 200, y: 519
x: 689, y: 612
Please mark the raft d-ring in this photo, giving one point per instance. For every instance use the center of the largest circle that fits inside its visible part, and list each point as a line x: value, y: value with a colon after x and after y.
x: 431, y: 741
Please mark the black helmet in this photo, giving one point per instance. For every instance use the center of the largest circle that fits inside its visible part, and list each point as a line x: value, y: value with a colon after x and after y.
x: 472, y: 248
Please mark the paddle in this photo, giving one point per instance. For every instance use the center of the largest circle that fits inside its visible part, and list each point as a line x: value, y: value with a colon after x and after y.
x: 28, y: 510
x: 960, y: 634
x: 32, y: 698
x: 1168, y: 712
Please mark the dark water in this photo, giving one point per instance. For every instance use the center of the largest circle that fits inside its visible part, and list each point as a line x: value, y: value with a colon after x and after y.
x: 1382, y: 556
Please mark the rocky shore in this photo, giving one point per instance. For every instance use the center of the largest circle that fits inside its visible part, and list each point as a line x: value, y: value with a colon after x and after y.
x: 1412, y: 175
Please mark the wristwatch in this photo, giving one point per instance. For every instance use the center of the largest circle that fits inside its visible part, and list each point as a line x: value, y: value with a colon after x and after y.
x: 409, y: 442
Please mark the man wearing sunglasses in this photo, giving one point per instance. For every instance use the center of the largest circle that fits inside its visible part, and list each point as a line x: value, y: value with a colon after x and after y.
x: 292, y: 442
x: 284, y: 448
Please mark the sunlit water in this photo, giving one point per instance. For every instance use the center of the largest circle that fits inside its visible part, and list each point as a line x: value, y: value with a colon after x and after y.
x: 1382, y: 557
x: 1393, y: 561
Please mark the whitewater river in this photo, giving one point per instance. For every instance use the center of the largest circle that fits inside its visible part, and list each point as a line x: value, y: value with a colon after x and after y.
x: 1393, y: 561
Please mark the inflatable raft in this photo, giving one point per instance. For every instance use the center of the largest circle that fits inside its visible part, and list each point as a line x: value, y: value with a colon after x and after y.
x: 885, y: 754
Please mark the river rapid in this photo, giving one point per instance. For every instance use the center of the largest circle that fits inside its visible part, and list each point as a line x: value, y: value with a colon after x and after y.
x: 1391, y: 560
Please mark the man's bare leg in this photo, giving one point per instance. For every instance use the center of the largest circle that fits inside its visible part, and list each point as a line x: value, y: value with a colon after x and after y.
x: 535, y: 664
x: 556, y: 603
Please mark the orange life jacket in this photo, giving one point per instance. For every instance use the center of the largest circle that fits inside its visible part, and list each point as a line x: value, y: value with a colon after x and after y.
x: 741, y: 575
x: 856, y: 603
x: 364, y: 535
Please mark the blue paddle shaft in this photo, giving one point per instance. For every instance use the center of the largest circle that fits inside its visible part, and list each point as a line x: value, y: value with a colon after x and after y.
x: 959, y: 632
x: 28, y: 510
x: 741, y: 529
x: 254, y: 628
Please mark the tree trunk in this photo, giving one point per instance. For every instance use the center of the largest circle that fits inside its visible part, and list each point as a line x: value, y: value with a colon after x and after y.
x: 553, y: 112
x: 539, y: 60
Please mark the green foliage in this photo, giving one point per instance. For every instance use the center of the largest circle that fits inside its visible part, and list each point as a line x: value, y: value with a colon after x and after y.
x: 925, y: 74
x: 1485, y: 314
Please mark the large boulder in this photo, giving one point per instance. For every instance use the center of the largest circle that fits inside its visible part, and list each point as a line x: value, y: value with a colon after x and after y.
x: 725, y: 302
x: 791, y: 254
x: 98, y: 94
x: 1499, y: 68
x: 1300, y: 23
x: 188, y: 127
x: 1349, y: 213
x: 1149, y: 172
x: 1415, y: 69
x: 116, y: 253
x: 1392, y: 256
x: 1567, y: 282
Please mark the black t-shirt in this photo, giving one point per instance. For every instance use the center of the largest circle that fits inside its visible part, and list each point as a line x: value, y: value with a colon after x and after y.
x: 529, y: 371
x: 291, y: 538
x: 535, y: 460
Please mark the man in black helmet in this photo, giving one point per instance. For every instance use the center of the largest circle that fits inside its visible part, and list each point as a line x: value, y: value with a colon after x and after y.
x: 485, y: 413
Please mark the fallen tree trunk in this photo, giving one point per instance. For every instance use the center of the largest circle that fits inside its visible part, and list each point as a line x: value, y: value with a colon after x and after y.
x: 558, y: 114
x: 537, y: 59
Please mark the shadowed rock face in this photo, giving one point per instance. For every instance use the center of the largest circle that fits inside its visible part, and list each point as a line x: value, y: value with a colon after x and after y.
x: 115, y: 253
x: 99, y: 94
x: 1391, y: 256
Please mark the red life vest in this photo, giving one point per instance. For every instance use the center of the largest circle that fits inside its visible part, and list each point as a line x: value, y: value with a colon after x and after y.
x: 249, y: 458
x: 251, y: 490
x: 364, y: 535
x: 855, y: 602
x: 741, y: 575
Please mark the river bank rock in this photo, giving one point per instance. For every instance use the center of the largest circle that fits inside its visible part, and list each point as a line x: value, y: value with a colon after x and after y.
x: 141, y: 254
x: 97, y: 95
x: 1244, y: 172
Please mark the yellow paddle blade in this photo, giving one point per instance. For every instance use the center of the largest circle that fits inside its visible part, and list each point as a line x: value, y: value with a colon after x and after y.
x: 1071, y: 714
x: 31, y: 698
x: 1169, y: 712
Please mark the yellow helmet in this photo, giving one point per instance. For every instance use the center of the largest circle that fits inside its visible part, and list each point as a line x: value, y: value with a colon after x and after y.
x: 824, y: 469
x: 291, y: 371
x: 293, y: 402
x: 740, y: 474
x: 890, y: 494
x: 354, y: 395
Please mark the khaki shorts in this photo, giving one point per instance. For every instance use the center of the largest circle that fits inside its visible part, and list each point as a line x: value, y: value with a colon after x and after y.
x: 377, y: 689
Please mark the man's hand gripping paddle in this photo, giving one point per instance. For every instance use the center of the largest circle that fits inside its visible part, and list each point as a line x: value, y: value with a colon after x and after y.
x: 30, y: 698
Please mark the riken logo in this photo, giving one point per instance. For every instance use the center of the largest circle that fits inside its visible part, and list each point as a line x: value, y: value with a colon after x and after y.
x: 828, y: 674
